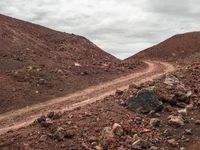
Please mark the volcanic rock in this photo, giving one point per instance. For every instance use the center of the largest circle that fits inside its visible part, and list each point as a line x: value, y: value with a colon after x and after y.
x: 145, y: 101
x: 41, y: 119
x: 46, y: 123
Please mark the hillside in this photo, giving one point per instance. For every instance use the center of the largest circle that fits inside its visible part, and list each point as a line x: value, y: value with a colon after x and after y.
x: 38, y: 63
x: 173, y: 49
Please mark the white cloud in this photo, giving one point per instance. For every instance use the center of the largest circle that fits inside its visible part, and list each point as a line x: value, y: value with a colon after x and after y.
x: 119, y: 27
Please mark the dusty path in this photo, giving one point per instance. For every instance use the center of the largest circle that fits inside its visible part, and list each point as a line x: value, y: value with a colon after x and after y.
x: 20, y: 118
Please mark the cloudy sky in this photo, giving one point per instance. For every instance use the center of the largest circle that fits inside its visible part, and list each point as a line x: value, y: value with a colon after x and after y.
x: 121, y: 28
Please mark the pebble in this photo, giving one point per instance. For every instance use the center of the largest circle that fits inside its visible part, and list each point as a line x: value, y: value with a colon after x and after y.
x: 98, y: 148
x: 197, y: 122
x: 43, y: 138
x: 188, y: 131
x: 183, y: 112
x: 154, y: 148
x: 155, y: 122
x: 176, y: 121
x: 117, y: 129
x: 172, y: 142
x: 107, y: 133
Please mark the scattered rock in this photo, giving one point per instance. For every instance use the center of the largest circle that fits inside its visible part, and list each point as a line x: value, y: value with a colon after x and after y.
x: 171, y: 80
x: 173, y: 102
x: 134, y: 86
x: 183, y: 97
x: 98, y: 148
x: 182, y: 148
x: 60, y: 71
x: 181, y: 105
x: 154, y: 148
x: 107, y: 133
x: 43, y: 138
x: 117, y: 129
x: 140, y: 144
x: 77, y: 64
x: 69, y: 134
x: 42, y: 82
x: 190, y: 107
x: 188, y: 131
x: 119, y: 92
x: 145, y: 101
x: 84, y: 73
x: 50, y: 114
x: 61, y: 134
x: 155, y: 122
x: 197, y: 122
x: 57, y: 115
x: 176, y: 121
x: 172, y: 142
x: 46, y: 123
x: 41, y: 119
x: 37, y: 92
x: 183, y: 112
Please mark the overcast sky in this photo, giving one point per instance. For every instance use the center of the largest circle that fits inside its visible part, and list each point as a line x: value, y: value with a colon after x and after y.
x: 121, y: 28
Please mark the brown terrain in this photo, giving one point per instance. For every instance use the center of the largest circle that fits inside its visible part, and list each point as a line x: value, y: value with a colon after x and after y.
x: 38, y: 64
x: 173, y: 49
x: 152, y: 106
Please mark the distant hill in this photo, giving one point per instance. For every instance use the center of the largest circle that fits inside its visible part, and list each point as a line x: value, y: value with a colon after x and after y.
x: 173, y: 49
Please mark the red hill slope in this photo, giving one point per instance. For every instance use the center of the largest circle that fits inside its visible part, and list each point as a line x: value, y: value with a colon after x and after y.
x: 175, y: 48
x: 37, y: 63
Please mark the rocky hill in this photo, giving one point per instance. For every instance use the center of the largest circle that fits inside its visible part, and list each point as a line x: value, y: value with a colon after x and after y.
x: 38, y: 63
x: 176, y: 48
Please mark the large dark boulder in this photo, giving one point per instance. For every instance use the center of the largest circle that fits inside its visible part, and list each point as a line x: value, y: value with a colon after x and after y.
x: 145, y: 101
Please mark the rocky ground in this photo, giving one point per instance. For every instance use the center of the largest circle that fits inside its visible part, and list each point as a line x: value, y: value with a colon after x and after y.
x: 38, y: 64
x: 158, y: 115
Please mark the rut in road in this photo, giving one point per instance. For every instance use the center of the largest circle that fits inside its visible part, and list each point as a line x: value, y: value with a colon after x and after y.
x: 23, y: 117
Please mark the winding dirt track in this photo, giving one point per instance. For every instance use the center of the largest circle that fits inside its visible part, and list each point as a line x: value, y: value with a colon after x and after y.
x: 23, y: 117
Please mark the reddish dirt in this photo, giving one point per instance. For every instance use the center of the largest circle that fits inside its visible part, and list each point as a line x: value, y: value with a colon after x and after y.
x: 174, y: 49
x: 80, y: 120
x: 87, y: 123
x: 38, y: 64
x: 23, y: 117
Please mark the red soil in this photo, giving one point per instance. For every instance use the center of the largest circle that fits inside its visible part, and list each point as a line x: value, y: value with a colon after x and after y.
x: 38, y: 63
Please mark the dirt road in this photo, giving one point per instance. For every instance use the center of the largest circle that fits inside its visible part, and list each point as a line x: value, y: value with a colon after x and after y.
x: 23, y: 117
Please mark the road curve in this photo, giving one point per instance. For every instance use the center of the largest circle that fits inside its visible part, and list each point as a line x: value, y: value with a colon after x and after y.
x: 23, y: 117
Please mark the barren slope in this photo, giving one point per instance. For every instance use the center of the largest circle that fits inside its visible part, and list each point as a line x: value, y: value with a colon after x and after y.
x: 173, y: 49
x: 37, y: 63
